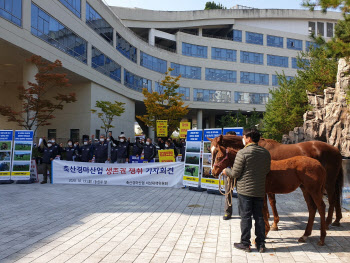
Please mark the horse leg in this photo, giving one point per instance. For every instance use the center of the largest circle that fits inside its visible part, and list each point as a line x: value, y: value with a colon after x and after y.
x: 337, y: 197
x: 266, y: 218
x: 321, y: 207
x: 276, y: 218
x: 311, y: 206
x: 331, y: 201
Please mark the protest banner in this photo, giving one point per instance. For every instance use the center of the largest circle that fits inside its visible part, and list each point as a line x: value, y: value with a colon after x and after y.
x: 184, y: 127
x: 162, y: 128
x: 208, y: 181
x: 166, y: 156
x: 192, y: 158
x: 34, y: 171
x: 149, y: 174
x: 237, y: 130
x: 139, y: 159
x: 22, y: 155
x: 6, y: 139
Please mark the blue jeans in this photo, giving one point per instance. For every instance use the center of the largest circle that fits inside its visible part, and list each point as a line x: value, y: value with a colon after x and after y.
x: 248, y: 207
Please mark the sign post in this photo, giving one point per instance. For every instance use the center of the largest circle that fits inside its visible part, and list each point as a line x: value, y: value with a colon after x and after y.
x: 192, y: 158
x: 166, y: 156
x: 6, y: 139
x: 184, y: 127
x: 162, y: 128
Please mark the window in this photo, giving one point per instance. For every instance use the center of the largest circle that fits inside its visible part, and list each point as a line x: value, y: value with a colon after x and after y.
x: 295, y: 63
x: 220, y: 75
x: 252, y: 58
x: 294, y: 44
x: 273, y: 41
x: 187, y: 72
x: 98, y: 24
x: 194, y: 50
x: 51, y: 133
x: 73, y: 5
x: 105, y: 65
x: 181, y: 90
x: 310, y: 44
x: 56, y: 34
x: 11, y: 10
x: 74, y: 135
x: 254, y: 78
x: 254, y: 38
x: 237, y: 35
x: 275, y: 79
x: 135, y: 82
x: 312, y: 28
x: 251, y: 98
x: 97, y: 134
x: 277, y: 61
x: 223, y: 54
x: 219, y: 96
x: 153, y: 63
x: 320, y: 28
x: 329, y: 29
x: 124, y: 47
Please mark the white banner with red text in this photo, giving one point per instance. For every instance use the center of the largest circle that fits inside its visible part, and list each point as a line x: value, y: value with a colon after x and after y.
x: 146, y: 174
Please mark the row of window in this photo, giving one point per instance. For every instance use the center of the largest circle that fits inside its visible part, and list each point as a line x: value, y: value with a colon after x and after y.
x: 275, y: 79
x: 136, y: 82
x: 105, y: 65
x: 320, y: 28
x: 12, y: 11
x: 222, y: 96
x: 73, y: 5
x: 181, y: 90
x: 153, y: 63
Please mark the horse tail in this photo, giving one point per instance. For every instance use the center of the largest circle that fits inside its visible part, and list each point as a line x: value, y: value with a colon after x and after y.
x: 339, y: 186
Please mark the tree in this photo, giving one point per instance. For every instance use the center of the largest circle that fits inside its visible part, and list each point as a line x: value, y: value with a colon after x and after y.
x: 37, y: 106
x: 344, y: 5
x: 108, y: 112
x: 212, y: 5
x: 244, y: 121
x: 164, y: 105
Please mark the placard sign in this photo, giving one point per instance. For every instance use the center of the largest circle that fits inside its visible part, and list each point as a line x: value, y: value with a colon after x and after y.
x: 166, y: 156
x: 192, y: 158
x: 22, y: 155
x: 184, y: 127
x: 6, y: 138
x: 162, y: 128
x: 237, y: 130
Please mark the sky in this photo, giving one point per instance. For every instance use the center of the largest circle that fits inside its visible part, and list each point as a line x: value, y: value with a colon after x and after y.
x: 182, y: 5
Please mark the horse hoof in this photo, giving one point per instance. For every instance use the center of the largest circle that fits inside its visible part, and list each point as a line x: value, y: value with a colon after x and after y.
x: 337, y: 224
x: 302, y: 239
x: 320, y: 243
x: 273, y: 228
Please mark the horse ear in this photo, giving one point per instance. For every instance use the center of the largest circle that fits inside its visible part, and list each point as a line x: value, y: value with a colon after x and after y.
x: 210, y: 139
x: 221, y: 138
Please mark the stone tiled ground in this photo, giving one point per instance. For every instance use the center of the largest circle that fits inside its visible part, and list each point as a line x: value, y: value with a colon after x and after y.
x: 76, y: 223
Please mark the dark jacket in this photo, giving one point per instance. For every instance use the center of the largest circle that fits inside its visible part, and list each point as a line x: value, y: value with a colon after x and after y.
x: 114, y: 153
x: 150, y: 152
x: 137, y: 148
x: 48, y: 154
x: 251, y: 166
x: 123, y: 150
x: 70, y: 152
x: 101, y: 152
x: 86, y: 152
x: 172, y: 146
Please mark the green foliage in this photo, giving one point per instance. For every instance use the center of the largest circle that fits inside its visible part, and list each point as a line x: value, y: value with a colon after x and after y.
x: 212, y: 5
x: 240, y: 120
x: 108, y: 111
x: 344, y: 5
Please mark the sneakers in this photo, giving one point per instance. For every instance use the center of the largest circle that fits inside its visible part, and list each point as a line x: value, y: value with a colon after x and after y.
x: 226, y: 217
x: 242, y: 247
x: 261, y: 249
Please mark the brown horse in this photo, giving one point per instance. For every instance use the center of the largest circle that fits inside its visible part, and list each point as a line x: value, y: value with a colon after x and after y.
x: 285, y: 177
x: 327, y: 155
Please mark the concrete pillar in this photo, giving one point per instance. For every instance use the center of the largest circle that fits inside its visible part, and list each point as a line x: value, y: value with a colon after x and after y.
x: 199, y: 119
x: 152, y: 134
x: 26, y: 16
x: 83, y: 10
x: 212, y: 121
x: 200, y: 31
x: 89, y: 54
x: 114, y: 38
x: 151, y: 37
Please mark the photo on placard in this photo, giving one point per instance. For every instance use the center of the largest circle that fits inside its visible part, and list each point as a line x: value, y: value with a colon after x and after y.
x: 21, y: 166
x: 192, y: 170
x: 193, y: 147
x: 5, y: 166
x: 21, y: 156
x: 207, y: 159
x: 23, y: 146
x: 207, y: 146
x: 192, y: 158
x: 5, y: 156
x: 5, y: 146
x: 207, y: 172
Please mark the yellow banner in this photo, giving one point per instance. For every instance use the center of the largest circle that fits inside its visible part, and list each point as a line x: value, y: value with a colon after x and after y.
x: 211, y: 181
x: 162, y: 128
x: 189, y: 178
x: 166, y: 156
x: 184, y: 126
x: 21, y: 173
x: 4, y: 173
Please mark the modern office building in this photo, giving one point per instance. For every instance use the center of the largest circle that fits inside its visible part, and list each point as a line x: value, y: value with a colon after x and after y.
x: 228, y: 59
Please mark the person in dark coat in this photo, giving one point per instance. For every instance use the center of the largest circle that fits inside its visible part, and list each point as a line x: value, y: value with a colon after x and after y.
x: 49, y: 154
x: 70, y: 151
x: 86, y: 152
x: 183, y: 149
x: 169, y: 145
x: 123, y: 149
x: 101, y: 150
x: 137, y: 147
x: 114, y: 153
x: 150, y: 150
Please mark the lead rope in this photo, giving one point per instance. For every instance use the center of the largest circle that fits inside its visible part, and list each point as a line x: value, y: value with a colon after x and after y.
x: 231, y: 188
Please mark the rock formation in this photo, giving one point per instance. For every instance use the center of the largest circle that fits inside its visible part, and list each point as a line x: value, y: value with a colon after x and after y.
x: 329, y: 119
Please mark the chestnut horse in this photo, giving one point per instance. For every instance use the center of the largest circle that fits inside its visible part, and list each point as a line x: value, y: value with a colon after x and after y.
x: 285, y: 177
x: 327, y: 155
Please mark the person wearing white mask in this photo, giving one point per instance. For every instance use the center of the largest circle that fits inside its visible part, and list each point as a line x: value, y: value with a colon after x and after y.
x: 70, y: 151
x: 58, y: 149
x: 86, y: 152
x: 169, y: 145
x: 49, y: 154
x: 149, y: 150
x: 123, y: 149
x: 101, y: 150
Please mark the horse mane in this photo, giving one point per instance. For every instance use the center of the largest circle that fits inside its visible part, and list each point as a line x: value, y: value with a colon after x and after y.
x: 231, y: 140
x: 270, y: 141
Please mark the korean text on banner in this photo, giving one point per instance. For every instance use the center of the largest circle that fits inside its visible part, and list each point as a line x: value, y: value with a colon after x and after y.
x: 166, y: 156
x: 6, y: 139
x: 237, y: 130
x: 162, y: 128
x: 184, y: 127
x: 22, y: 155
x: 192, y: 158
x: 149, y: 174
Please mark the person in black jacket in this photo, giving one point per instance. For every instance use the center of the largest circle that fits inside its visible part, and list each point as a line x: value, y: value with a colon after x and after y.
x: 123, y: 149
x: 169, y: 145
x: 57, y: 148
x: 137, y: 147
x: 70, y: 151
x: 86, y: 152
x: 101, y: 150
x: 114, y: 153
x: 149, y: 150
x: 183, y: 149
x: 49, y: 153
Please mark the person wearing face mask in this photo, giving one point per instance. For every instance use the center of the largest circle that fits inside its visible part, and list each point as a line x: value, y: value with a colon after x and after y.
x: 149, y: 150
x: 183, y: 149
x: 49, y: 154
x: 169, y: 145
x: 86, y: 152
x: 58, y: 149
x: 101, y: 150
x: 70, y: 151
x: 137, y: 147
x: 123, y: 149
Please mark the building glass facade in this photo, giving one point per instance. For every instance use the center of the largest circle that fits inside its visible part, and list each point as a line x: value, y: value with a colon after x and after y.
x: 218, y: 96
x: 213, y: 74
x: 251, y: 98
x: 309, y: 44
x: 294, y: 44
x: 254, y: 38
x: 135, y: 82
x: 124, y: 47
x: 153, y: 63
x: 275, y: 79
x: 252, y: 58
x: 237, y: 35
x: 11, y: 10
x: 56, y: 34
x: 188, y: 72
x: 105, y: 65
x: 254, y: 78
x: 223, y: 54
x: 98, y: 24
x: 73, y: 5
x: 194, y: 50
x: 277, y: 61
x: 273, y: 41
x: 181, y: 90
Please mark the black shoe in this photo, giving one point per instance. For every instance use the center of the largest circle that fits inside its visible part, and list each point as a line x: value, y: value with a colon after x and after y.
x: 261, y: 249
x: 242, y: 247
x: 43, y: 182
x: 226, y: 217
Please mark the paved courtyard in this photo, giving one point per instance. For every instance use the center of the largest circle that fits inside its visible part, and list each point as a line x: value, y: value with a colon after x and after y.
x: 79, y: 223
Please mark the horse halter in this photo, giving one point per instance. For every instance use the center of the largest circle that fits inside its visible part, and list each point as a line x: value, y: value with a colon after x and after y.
x: 220, y: 163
